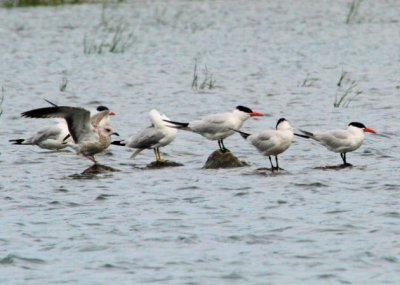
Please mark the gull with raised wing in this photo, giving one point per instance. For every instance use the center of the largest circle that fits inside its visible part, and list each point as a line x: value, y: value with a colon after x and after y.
x: 57, y: 137
x: 88, y: 139
x: 157, y: 135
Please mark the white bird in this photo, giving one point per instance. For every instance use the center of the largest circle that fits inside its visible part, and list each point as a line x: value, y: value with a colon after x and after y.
x: 218, y: 126
x: 56, y: 137
x: 342, y: 141
x: 52, y: 137
x: 272, y: 142
x: 157, y: 135
x: 89, y: 139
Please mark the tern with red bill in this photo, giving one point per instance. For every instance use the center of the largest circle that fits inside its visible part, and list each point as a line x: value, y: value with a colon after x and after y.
x: 218, y: 126
x: 272, y: 142
x: 342, y: 141
x: 89, y: 135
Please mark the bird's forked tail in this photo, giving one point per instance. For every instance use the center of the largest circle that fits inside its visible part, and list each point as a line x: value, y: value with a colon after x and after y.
x: 120, y: 143
x: 17, y: 141
x: 243, y: 134
x: 177, y: 125
x: 305, y: 134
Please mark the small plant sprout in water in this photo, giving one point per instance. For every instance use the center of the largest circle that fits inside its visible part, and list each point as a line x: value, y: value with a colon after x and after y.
x: 114, y: 38
x: 308, y: 82
x: 353, y: 11
x: 110, y: 35
x: 63, y: 84
x: 1, y: 100
x: 346, y: 92
x: 207, y: 83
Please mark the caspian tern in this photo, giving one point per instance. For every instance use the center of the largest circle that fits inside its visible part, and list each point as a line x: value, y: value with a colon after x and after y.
x: 157, y: 135
x: 89, y: 139
x: 342, y: 141
x: 272, y: 142
x: 218, y: 126
x: 56, y: 137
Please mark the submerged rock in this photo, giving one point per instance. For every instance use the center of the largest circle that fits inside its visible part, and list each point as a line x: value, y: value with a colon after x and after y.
x: 162, y: 164
x: 99, y: 168
x: 219, y: 159
x: 334, y: 167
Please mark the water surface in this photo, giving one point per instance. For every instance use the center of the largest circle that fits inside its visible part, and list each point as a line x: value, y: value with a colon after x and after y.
x: 186, y: 225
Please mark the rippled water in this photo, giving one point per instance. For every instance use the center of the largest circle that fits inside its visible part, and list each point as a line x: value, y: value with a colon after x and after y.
x: 186, y: 225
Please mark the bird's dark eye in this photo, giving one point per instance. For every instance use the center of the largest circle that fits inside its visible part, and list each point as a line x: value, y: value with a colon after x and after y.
x: 108, y: 130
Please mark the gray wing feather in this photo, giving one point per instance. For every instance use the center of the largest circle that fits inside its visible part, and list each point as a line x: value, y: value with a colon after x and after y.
x: 78, y: 120
x: 52, y: 133
x: 262, y: 140
x: 147, y: 138
x: 212, y: 124
x: 333, y: 139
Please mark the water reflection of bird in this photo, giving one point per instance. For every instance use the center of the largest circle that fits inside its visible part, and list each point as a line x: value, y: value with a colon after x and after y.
x: 56, y: 137
x: 272, y: 142
x: 218, y: 126
x: 88, y: 139
x: 342, y: 141
x: 157, y: 135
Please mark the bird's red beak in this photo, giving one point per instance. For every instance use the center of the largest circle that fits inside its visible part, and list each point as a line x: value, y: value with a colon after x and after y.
x: 256, y: 114
x: 368, y: 130
x: 111, y: 113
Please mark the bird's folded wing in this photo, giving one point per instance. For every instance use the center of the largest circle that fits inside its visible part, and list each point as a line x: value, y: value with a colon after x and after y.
x: 147, y: 138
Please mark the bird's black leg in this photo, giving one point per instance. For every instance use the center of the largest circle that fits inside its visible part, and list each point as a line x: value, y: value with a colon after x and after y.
x: 345, y: 162
x: 272, y: 166
x: 276, y: 160
x: 343, y: 156
x: 222, y: 146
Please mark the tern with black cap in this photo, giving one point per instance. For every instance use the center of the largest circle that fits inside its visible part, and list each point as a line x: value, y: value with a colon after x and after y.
x: 218, y: 126
x: 342, y: 141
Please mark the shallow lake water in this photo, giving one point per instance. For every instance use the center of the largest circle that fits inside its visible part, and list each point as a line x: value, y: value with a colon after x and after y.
x: 187, y: 225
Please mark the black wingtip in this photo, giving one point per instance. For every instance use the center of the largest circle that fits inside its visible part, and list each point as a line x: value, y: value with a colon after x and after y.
x: 17, y: 141
x: 302, y: 136
x: 40, y: 113
x: 178, y: 124
x: 120, y: 143
x: 305, y: 134
x: 243, y: 134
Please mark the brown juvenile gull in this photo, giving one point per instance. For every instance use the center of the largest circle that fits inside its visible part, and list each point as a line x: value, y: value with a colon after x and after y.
x: 90, y: 137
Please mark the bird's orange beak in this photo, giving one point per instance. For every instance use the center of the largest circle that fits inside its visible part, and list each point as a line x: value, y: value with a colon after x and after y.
x: 368, y: 130
x: 111, y: 113
x: 256, y: 114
